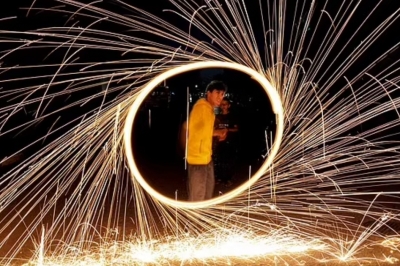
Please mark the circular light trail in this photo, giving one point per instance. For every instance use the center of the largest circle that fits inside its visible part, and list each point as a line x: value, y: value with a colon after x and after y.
x: 276, y: 107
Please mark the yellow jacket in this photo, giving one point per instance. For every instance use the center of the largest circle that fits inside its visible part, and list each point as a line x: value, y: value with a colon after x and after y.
x: 201, y: 127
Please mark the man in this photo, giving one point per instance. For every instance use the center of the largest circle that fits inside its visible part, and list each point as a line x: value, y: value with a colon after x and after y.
x: 201, y: 131
x: 224, y: 154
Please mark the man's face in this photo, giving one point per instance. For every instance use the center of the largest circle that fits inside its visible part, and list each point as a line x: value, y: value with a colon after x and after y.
x: 215, y: 97
x: 225, y: 106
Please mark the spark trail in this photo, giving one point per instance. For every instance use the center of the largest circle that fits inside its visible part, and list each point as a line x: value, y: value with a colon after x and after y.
x: 329, y: 177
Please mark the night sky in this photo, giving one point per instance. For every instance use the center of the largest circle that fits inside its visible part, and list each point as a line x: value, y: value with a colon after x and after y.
x: 310, y: 182
x: 236, y: 82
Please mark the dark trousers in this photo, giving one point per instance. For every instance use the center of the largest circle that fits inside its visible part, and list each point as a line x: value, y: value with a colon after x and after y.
x: 225, y: 160
x: 201, y: 181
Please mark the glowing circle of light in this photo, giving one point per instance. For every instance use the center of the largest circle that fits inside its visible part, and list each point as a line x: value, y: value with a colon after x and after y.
x: 276, y: 107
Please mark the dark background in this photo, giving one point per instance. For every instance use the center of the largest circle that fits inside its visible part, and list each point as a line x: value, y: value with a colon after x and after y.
x: 156, y: 140
x: 160, y: 141
x: 156, y: 147
x: 249, y: 103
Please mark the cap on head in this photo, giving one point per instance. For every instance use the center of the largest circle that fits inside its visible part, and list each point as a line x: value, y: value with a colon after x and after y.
x: 216, y: 85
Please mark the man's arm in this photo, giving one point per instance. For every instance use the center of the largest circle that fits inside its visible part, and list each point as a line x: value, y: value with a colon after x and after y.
x: 234, y: 129
x: 220, y: 133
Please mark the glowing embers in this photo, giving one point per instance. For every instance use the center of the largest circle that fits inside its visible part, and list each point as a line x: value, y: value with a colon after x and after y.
x: 159, y: 99
x: 220, y: 247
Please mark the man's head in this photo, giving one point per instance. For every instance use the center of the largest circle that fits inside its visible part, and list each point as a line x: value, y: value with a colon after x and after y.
x: 225, y: 105
x: 215, y: 92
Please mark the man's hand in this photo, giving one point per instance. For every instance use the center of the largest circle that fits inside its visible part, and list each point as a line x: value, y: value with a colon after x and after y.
x: 221, y: 134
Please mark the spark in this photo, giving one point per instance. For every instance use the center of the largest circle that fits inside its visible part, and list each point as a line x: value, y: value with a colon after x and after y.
x: 218, y: 246
x: 327, y: 179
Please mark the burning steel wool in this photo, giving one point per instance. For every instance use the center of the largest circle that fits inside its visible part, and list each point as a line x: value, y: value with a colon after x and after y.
x: 217, y: 247
x: 72, y: 70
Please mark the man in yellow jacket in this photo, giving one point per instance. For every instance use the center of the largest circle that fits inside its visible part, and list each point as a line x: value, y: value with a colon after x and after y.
x: 201, y: 131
